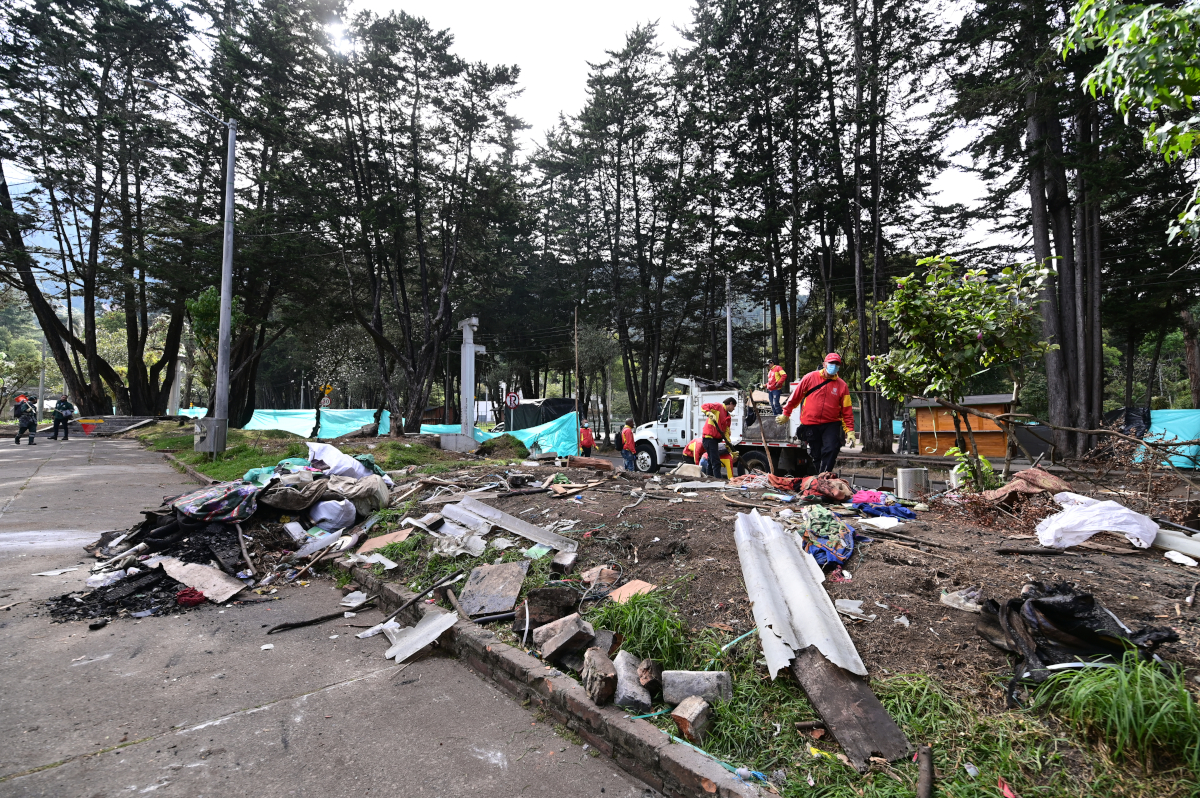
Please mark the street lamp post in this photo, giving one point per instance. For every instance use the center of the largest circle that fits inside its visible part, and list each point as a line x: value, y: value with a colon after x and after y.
x: 220, y: 410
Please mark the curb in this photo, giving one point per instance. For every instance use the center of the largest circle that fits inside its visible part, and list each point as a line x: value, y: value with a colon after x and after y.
x: 637, y: 747
x: 196, y: 476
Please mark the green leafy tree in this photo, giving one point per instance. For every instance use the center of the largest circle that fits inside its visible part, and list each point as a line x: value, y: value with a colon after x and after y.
x: 953, y: 323
x: 1150, y: 61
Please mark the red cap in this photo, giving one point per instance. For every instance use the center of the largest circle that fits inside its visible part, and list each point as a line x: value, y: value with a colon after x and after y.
x: 833, y: 357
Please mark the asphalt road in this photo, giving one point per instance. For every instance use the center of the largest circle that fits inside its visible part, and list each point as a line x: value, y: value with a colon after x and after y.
x: 191, y: 705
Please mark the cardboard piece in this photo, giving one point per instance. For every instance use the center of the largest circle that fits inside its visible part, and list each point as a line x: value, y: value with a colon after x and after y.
x: 217, y: 586
x: 622, y: 594
x: 383, y: 540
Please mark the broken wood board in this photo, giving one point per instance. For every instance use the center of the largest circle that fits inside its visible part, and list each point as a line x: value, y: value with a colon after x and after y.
x: 574, y: 487
x: 517, y: 526
x: 605, y: 576
x: 216, y: 585
x: 851, y: 712
x: 599, y: 463
x: 493, y: 589
x: 383, y: 540
x: 623, y: 593
x: 449, y: 498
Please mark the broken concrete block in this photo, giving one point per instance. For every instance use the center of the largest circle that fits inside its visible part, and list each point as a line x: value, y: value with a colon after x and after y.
x: 650, y: 675
x: 572, y: 636
x: 630, y: 693
x: 564, y: 562
x: 599, y: 676
x: 608, y: 642
x: 546, y: 631
x: 693, y: 717
x: 573, y: 661
x: 709, y: 685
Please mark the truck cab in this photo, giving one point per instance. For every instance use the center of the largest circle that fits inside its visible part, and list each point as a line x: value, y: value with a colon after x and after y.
x: 681, y: 419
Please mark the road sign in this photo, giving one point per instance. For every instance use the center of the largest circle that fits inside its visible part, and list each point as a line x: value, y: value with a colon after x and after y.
x: 511, y: 400
x: 325, y: 401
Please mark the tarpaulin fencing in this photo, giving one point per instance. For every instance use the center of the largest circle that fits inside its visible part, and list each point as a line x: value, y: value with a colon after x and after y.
x: 557, y: 436
x: 297, y: 422
x: 1180, y: 425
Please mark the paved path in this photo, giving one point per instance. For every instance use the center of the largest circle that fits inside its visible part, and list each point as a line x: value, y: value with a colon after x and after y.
x: 191, y: 705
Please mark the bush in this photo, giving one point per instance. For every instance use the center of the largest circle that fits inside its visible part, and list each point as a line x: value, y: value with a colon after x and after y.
x: 506, y: 447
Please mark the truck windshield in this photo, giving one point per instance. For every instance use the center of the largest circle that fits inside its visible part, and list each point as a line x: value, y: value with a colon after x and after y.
x: 672, y: 409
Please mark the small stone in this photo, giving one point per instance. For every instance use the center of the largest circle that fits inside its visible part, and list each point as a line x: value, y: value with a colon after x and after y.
x: 599, y: 676
x: 650, y: 675
x: 709, y: 685
x: 609, y: 642
x: 564, y: 562
x: 693, y: 716
x: 630, y: 693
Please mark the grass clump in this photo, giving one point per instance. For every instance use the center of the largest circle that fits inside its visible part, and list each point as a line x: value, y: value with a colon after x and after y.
x: 396, y: 454
x: 651, y: 626
x: 1136, y: 711
x: 506, y: 447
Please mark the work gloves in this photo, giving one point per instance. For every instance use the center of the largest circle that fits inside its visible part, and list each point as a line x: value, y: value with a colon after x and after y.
x: 781, y: 419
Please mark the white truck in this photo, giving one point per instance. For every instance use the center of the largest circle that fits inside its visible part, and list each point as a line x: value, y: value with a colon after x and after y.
x: 681, y: 419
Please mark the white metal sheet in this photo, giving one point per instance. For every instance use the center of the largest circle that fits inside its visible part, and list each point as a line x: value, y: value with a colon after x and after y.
x: 791, y: 607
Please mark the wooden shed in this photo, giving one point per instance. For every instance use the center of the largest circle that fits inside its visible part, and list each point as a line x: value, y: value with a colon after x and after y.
x: 935, y: 425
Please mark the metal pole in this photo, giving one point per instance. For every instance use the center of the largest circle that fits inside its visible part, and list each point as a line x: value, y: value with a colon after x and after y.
x: 577, y: 376
x: 221, y: 408
x: 728, y: 331
x: 41, y: 384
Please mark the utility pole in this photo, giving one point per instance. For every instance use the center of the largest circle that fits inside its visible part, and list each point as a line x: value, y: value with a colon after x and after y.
x: 466, y: 387
x: 728, y: 331
x: 577, y: 374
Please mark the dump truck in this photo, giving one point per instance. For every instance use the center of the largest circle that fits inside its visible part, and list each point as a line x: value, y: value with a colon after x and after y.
x: 661, y: 442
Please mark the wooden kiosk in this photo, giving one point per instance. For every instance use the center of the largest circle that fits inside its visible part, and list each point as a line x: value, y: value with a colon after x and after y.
x: 935, y: 425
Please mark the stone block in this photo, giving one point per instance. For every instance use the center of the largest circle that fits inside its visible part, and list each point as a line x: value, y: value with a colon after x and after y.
x: 709, y: 685
x: 650, y: 675
x: 546, y: 631
x: 693, y: 716
x: 599, y: 676
x: 571, y: 637
x: 564, y: 562
x: 630, y: 693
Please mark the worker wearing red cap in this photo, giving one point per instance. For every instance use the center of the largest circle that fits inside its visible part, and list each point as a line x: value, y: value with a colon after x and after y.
x: 825, y: 412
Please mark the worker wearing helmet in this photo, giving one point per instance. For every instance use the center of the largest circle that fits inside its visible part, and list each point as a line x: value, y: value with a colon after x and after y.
x: 825, y: 412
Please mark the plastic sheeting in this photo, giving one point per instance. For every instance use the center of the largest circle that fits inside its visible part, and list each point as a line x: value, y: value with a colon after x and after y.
x: 1181, y: 425
x: 1083, y: 516
x: 557, y: 436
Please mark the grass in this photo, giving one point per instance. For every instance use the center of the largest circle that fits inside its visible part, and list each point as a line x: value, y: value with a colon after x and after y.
x: 506, y: 447
x: 259, y: 448
x: 1136, y: 712
x: 756, y: 728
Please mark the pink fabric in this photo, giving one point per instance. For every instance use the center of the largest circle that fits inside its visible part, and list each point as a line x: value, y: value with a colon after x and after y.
x: 868, y: 497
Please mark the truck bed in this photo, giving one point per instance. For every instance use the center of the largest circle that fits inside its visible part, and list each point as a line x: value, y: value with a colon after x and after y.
x: 773, y: 432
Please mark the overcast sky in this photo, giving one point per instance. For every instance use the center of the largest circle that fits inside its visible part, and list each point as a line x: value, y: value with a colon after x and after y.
x: 552, y: 42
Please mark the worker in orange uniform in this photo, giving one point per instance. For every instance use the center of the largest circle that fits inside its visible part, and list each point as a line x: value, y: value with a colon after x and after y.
x: 776, y: 381
x: 695, y: 451
x: 716, y: 429
x: 825, y: 412
x: 586, y: 439
x: 628, y: 448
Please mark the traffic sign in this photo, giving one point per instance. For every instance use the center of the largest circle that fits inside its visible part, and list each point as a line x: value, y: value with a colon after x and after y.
x: 325, y: 401
x: 512, y: 400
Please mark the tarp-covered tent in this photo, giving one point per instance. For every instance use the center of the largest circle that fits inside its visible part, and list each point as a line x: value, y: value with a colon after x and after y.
x: 557, y: 436
x: 1179, y: 425
x: 535, y: 412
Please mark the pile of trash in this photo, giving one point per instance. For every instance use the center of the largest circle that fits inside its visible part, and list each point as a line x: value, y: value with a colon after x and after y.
x: 196, y: 547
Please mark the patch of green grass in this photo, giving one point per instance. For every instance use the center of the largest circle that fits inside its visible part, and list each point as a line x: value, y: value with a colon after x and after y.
x: 651, y: 626
x: 506, y: 447
x: 1135, y: 711
x: 392, y: 455
x: 246, y: 449
x: 341, y: 578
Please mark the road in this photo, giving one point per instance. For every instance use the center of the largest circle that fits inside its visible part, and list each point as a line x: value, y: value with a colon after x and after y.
x: 191, y: 705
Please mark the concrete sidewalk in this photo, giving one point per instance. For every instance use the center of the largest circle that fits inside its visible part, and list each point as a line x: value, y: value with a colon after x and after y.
x: 190, y: 705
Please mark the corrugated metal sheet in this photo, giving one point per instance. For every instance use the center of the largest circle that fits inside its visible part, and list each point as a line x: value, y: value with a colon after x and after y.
x: 791, y: 607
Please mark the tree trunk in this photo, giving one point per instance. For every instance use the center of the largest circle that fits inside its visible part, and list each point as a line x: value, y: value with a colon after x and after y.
x: 1191, y: 355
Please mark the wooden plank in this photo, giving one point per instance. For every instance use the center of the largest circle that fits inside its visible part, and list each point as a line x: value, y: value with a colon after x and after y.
x: 851, y: 712
x: 450, y: 498
x: 991, y: 444
x: 492, y: 589
x: 599, y: 463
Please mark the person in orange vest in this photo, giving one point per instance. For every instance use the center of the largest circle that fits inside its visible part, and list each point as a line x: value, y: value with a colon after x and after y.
x: 826, y: 415
x: 776, y: 381
x: 586, y: 440
x: 716, y: 429
x: 695, y: 451
x: 628, y: 448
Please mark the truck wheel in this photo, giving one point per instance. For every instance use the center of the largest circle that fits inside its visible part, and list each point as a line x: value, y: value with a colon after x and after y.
x: 752, y: 462
x: 645, y: 459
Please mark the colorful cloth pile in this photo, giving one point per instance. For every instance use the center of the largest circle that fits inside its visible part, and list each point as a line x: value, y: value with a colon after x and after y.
x: 826, y: 537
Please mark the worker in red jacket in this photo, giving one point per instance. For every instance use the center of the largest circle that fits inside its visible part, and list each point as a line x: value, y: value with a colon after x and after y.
x: 716, y: 429
x: 695, y: 451
x: 628, y: 447
x: 776, y: 381
x: 586, y: 439
x: 826, y: 416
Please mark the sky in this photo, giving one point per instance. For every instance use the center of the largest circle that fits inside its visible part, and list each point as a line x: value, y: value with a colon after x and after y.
x: 552, y: 42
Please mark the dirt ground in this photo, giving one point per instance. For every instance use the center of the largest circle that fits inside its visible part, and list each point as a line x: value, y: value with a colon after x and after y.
x: 691, y: 546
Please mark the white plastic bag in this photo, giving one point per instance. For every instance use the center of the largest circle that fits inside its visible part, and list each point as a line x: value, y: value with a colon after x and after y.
x: 342, y: 465
x: 336, y: 514
x: 1083, y: 517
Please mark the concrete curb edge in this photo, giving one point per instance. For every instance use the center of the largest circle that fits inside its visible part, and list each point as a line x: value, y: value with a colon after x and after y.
x: 637, y: 747
x: 196, y: 476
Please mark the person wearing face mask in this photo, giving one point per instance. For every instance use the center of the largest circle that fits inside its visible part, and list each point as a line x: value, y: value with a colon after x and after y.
x: 825, y: 412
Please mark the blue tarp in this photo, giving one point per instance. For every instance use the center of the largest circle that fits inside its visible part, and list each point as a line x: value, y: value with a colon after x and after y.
x: 554, y: 436
x: 1180, y: 425
x: 897, y: 427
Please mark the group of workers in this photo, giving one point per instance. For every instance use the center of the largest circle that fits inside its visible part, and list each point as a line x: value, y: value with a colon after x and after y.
x: 826, y: 421
x: 25, y: 411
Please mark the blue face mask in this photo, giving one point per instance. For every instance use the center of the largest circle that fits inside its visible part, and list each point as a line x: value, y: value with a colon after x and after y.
x: 831, y: 368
